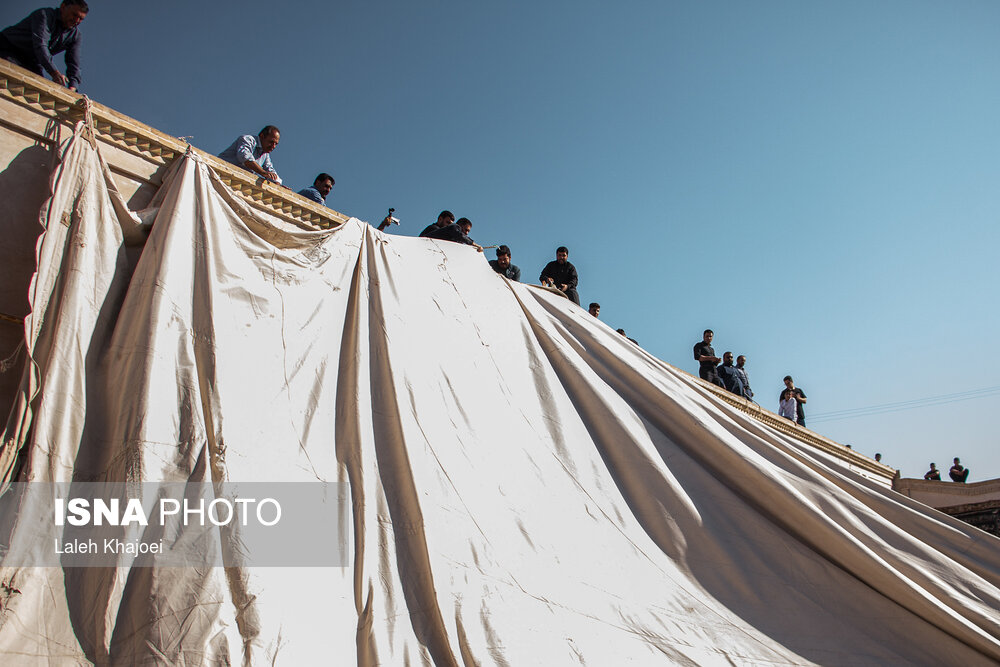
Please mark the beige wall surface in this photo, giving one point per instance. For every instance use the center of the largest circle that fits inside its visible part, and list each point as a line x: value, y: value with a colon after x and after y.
x: 35, y: 117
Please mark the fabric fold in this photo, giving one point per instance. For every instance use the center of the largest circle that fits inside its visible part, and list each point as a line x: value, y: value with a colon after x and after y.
x: 524, y: 486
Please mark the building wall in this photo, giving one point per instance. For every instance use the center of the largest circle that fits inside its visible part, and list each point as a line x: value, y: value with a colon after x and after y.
x: 977, y: 503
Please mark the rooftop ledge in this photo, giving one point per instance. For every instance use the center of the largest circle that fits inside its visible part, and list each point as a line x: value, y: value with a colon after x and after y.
x: 63, y: 105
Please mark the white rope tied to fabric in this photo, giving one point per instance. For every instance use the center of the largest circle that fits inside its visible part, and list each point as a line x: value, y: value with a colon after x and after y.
x: 90, y: 130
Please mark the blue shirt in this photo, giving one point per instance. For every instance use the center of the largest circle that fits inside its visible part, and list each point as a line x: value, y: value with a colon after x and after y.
x: 34, y: 40
x: 312, y: 193
x: 247, y: 149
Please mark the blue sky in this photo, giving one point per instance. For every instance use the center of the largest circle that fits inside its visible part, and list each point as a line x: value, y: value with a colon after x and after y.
x: 817, y: 182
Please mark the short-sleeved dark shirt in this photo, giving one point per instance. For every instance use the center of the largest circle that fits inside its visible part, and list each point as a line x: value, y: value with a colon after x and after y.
x: 703, y: 349
x: 511, y: 271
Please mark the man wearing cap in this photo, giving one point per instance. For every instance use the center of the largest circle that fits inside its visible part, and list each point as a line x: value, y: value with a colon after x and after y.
x: 503, y: 266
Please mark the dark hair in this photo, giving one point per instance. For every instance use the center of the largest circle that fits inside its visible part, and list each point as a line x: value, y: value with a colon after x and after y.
x: 77, y: 3
x: 268, y: 129
x: 461, y: 220
x: 727, y: 352
x: 594, y: 305
x: 446, y: 214
x: 707, y: 331
x: 787, y: 378
x: 621, y: 331
x: 503, y: 250
x: 562, y: 248
x: 322, y: 177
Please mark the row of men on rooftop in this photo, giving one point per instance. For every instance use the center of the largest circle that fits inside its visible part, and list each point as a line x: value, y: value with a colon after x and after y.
x: 32, y: 42
x: 957, y: 472
x: 559, y: 274
x: 734, y: 378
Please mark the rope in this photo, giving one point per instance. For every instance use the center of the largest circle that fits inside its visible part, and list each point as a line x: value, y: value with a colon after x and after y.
x: 8, y: 363
x: 88, y: 121
x: 10, y: 318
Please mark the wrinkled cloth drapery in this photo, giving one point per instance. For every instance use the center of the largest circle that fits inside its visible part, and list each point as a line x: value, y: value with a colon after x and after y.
x: 539, y: 492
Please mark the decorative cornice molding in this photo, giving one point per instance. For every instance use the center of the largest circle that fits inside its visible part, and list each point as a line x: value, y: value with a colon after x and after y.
x: 784, y: 425
x: 58, y: 103
x: 942, y: 488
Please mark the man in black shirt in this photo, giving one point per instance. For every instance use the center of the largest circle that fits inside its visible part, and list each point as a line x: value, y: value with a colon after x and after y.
x: 729, y: 375
x: 32, y: 42
x: 562, y: 275
x: 958, y: 472
x: 457, y: 232
x: 445, y: 218
x: 800, y: 400
x: 705, y: 356
x: 503, y: 266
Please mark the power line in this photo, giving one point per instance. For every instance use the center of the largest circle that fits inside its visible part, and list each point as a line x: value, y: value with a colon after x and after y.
x: 927, y: 401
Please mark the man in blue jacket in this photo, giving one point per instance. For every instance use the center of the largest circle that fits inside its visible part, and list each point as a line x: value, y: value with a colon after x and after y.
x: 33, y: 42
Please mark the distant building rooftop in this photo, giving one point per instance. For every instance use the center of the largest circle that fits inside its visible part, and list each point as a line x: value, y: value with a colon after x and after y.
x: 977, y: 504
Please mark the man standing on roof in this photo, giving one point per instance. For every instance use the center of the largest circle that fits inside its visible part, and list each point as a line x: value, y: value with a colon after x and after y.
x: 320, y: 189
x: 744, y: 378
x: 445, y: 218
x: 704, y: 354
x: 562, y: 275
x: 800, y: 400
x: 32, y: 42
x: 457, y: 232
x: 730, y: 378
x: 254, y: 153
x: 503, y: 266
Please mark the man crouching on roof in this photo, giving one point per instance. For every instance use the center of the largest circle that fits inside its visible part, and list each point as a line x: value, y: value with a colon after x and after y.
x: 254, y: 153
x: 32, y: 42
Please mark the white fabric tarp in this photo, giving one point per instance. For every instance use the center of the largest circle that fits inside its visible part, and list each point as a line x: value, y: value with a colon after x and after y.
x: 526, y: 487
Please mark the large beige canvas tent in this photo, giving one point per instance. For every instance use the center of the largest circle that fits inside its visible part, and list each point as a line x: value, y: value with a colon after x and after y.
x: 525, y: 486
